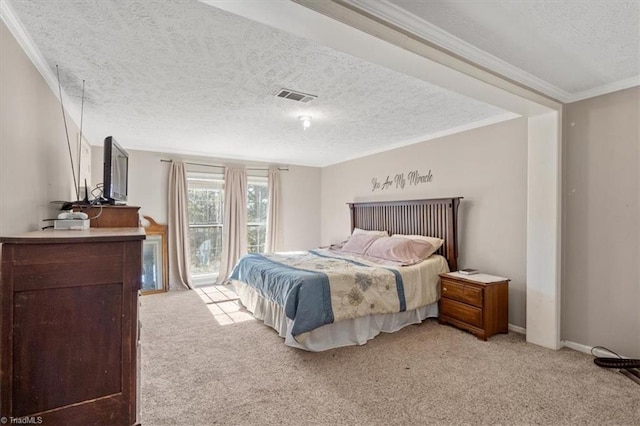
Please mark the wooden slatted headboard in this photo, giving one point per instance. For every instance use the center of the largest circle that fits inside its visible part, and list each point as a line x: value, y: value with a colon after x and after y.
x: 431, y: 217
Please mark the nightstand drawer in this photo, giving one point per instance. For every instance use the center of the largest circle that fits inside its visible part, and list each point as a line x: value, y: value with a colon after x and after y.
x: 461, y: 311
x: 462, y: 292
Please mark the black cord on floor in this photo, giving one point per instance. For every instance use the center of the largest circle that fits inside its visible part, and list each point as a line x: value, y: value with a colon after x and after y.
x: 619, y: 363
x: 605, y: 349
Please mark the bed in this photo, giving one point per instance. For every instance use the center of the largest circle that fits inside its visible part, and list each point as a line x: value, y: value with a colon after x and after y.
x: 327, y: 298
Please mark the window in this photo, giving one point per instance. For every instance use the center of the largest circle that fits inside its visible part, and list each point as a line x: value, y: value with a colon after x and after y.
x: 257, y: 207
x: 206, y: 213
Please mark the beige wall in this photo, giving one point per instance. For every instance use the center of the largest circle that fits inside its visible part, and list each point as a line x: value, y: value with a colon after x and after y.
x: 300, y: 208
x: 148, y: 180
x: 601, y: 222
x: 486, y: 166
x: 34, y: 157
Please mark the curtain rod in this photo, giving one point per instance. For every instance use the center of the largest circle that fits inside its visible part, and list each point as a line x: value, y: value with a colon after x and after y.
x: 282, y: 169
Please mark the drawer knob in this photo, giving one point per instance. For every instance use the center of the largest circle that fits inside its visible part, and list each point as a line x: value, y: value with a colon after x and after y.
x: 444, y: 288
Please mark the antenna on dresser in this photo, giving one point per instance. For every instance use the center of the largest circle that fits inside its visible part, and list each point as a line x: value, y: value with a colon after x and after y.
x: 80, y: 149
x: 66, y: 130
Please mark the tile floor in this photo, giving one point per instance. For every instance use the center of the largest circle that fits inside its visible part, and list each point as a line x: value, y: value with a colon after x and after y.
x: 223, y: 304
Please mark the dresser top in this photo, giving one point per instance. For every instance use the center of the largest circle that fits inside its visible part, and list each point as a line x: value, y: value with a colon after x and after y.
x: 49, y: 236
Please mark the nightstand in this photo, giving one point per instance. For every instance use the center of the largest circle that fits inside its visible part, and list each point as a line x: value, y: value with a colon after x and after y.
x: 477, y: 303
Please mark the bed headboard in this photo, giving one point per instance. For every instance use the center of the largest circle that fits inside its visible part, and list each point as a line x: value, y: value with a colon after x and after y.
x: 436, y: 217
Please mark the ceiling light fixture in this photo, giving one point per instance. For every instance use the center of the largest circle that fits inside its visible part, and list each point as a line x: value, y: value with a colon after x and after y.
x: 306, y: 121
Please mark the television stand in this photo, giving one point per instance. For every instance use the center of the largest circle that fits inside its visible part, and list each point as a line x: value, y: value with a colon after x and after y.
x: 110, y: 216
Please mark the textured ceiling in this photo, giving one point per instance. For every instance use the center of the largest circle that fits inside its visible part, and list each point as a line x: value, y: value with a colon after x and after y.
x: 570, y: 49
x: 182, y: 76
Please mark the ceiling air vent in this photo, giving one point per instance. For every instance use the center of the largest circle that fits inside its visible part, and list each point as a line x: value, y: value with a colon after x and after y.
x: 295, y: 96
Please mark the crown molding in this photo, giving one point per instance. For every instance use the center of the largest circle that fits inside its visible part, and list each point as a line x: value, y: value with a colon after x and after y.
x: 182, y: 153
x: 454, y: 130
x: 409, y: 22
x: 248, y: 158
x: 603, y: 90
x: 389, y: 12
x: 15, y: 26
x: 383, y: 9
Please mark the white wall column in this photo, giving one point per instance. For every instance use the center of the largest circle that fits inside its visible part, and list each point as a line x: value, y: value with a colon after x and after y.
x: 543, y: 229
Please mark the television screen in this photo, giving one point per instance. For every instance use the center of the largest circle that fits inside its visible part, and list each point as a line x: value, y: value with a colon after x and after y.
x: 116, y: 168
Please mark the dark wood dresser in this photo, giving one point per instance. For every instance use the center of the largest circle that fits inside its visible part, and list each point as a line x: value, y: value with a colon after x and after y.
x: 69, y: 331
x: 477, y: 303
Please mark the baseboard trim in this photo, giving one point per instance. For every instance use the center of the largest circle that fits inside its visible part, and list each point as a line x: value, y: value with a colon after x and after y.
x: 517, y: 329
x: 587, y: 349
x: 571, y: 345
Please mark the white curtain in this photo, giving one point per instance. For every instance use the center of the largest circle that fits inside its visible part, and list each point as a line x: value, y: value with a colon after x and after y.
x: 272, y: 243
x: 178, y: 227
x: 234, y: 230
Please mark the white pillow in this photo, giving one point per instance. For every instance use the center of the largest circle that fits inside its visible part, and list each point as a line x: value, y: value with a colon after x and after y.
x: 405, y: 251
x: 360, y: 240
x: 434, y: 241
x: 363, y: 231
x: 358, y: 243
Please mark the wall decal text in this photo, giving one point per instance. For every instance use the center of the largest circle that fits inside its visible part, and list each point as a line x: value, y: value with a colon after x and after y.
x: 413, y: 178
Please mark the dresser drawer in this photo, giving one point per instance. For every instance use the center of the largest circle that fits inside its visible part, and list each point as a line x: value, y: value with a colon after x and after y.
x: 462, y: 292
x: 461, y: 311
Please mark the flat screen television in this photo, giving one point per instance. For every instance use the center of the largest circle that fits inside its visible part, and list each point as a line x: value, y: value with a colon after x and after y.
x: 116, y: 172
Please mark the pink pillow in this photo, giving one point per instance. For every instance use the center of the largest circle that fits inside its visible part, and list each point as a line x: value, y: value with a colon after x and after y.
x: 405, y: 251
x: 358, y: 243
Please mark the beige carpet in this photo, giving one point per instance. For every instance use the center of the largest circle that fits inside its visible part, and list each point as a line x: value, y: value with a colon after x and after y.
x: 197, y: 372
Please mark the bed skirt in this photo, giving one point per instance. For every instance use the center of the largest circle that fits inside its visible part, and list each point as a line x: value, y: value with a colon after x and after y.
x: 344, y: 333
